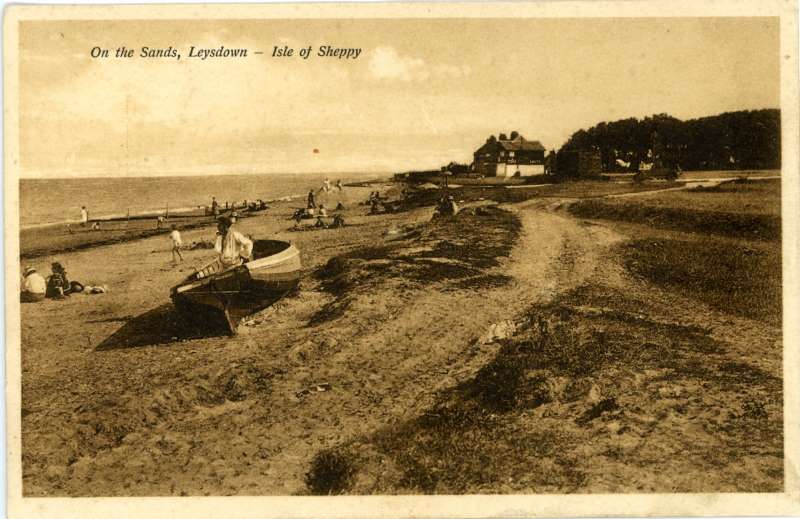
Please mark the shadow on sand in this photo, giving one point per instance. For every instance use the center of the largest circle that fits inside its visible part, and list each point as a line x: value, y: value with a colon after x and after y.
x: 159, y: 326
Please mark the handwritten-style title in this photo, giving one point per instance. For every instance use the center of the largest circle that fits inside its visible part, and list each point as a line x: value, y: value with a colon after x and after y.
x: 204, y: 53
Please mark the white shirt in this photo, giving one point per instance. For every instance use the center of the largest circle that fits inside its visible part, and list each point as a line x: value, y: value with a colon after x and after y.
x: 34, y: 283
x: 84, y: 215
x: 176, y: 238
x: 233, y: 247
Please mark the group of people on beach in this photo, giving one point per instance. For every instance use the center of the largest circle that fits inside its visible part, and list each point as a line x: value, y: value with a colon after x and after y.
x: 84, y: 222
x: 232, y: 246
x: 326, y: 185
x: 36, y: 288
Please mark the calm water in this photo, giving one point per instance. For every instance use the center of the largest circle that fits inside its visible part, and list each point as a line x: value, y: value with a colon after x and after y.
x: 44, y: 201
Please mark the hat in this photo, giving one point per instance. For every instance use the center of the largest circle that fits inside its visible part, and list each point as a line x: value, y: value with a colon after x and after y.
x: 29, y: 270
x: 224, y: 220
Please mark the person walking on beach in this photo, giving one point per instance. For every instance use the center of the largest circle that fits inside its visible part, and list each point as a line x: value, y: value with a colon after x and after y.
x: 84, y: 216
x: 312, y: 203
x: 214, y: 207
x: 326, y: 185
x: 233, y: 247
x: 339, y: 185
x: 33, y: 286
x: 177, y: 243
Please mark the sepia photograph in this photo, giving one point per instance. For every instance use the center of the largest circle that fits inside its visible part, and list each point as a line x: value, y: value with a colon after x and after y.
x: 497, y: 250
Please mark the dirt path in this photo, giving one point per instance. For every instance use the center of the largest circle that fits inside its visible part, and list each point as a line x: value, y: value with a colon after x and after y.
x: 393, y: 368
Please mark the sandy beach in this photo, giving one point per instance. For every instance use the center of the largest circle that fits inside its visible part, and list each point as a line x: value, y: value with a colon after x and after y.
x: 116, y: 401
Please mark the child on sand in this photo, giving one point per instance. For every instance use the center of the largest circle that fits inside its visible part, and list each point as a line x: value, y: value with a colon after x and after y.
x: 177, y: 243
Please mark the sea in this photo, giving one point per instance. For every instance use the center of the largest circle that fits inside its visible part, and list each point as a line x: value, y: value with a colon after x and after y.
x: 55, y: 201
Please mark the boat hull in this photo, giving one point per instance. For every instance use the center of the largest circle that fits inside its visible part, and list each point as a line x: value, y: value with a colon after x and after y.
x: 225, y: 298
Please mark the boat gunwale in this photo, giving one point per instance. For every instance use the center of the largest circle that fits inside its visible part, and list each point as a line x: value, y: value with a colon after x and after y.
x: 274, y: 260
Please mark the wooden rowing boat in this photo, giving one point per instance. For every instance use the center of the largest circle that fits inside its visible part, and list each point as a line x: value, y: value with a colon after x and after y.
x: 216, y: 297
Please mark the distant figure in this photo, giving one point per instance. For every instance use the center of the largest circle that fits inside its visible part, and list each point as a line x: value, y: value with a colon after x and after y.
x: 326, y: 185
x: 96, y: 226
x: 160, y: 222
x: 447, y: 206
x: 312, y: 203
x: 375, y: 205
x: 233, y: 247
x: 451, y: 205
x: 214, y: 207
x: 84, y: 215
x: 322, y: 210
x: 340, y: 206
x: 177, y: 243
x: 298, y: 215
x: 234, y: 217
x: 34, y: 286
x: 339, y: 184
x: 338, y: 221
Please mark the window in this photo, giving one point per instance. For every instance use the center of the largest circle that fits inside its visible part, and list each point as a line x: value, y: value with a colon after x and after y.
x: 510, y: 153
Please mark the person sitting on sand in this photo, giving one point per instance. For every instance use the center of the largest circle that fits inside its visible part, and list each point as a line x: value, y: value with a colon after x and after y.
x: 322, y: 210
x: 451, y: 206
x: 338, y: 221
x: 446, y: 206
x: 177, y: 243
x: 34, y: 286
x: 58, y: 285
x: 233, y: 247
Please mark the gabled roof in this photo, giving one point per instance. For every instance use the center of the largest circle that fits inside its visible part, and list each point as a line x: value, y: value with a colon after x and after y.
x: 516, y: 144
x: 519, y: 143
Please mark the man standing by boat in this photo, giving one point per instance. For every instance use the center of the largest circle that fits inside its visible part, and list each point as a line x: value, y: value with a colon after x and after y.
x: 233, y: 247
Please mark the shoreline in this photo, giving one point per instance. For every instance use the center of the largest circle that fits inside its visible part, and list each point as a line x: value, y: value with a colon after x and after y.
x: 54, y: 239
x: 178, y: 212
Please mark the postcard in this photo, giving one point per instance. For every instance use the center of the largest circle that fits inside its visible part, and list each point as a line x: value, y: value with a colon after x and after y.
x: 402, y: 259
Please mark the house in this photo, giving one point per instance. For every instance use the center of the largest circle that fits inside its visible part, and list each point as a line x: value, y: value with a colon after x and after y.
x: 509, y: 157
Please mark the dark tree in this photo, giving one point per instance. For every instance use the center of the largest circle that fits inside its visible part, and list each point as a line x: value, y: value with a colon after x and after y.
x: 734, y: 140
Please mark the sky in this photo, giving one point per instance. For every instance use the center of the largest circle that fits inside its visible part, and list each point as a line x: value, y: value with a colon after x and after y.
x: 422, y: 92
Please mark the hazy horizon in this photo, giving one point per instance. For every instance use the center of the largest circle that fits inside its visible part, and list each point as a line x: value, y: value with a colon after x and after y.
x: 424, y: 91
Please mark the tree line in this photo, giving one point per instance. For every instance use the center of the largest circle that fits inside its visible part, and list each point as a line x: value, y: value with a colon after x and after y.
x: 746, y: 139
